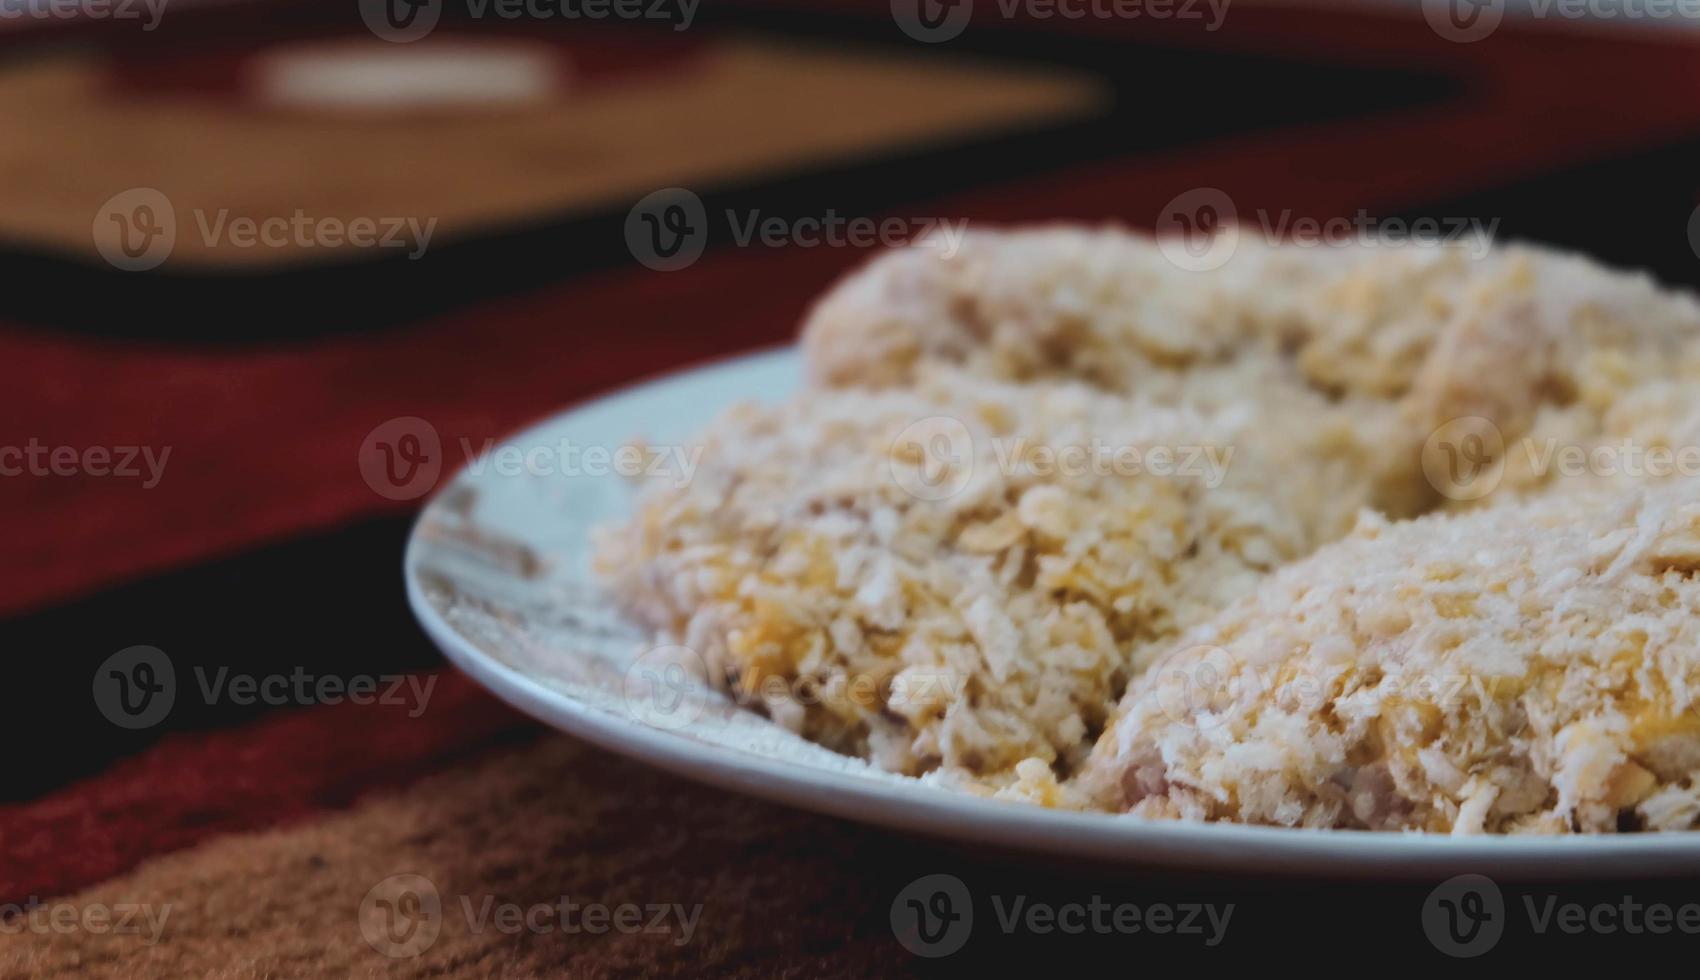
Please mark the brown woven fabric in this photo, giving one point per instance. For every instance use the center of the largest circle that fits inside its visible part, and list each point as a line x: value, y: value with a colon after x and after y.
x: 739, y: 109
x: 524, y: 828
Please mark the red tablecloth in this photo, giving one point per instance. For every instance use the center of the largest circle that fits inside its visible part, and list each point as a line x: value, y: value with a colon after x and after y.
x: 261, y: 547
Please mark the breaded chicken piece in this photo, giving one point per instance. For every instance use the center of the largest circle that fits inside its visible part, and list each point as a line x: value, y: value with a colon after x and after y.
x: 897, y: 563
x: 1523, y: 668
x: 964, y: 573
x: 1108, y: 307
x: 1520, y: 341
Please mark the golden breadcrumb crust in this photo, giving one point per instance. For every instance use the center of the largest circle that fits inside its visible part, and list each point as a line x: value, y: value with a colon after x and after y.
x: 897, y: 563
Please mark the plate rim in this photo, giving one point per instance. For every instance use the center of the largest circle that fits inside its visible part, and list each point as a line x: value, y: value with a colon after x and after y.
x: 907, y: 804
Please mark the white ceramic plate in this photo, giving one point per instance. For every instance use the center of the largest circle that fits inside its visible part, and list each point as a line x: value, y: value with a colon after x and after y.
x: 497, y: 571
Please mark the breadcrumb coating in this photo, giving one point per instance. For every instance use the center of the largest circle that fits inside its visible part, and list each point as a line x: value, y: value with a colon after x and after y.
x: 1521, y: 668
x: 987, y: 597
x: 1521, y: 344
x: 1108, y: 307
x: 895, y: 563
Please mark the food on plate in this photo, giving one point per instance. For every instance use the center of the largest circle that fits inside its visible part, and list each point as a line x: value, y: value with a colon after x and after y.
x: 964, y: 573
x: 1541, y: 344
x: 1522, y: 669
x: 954, y: 553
